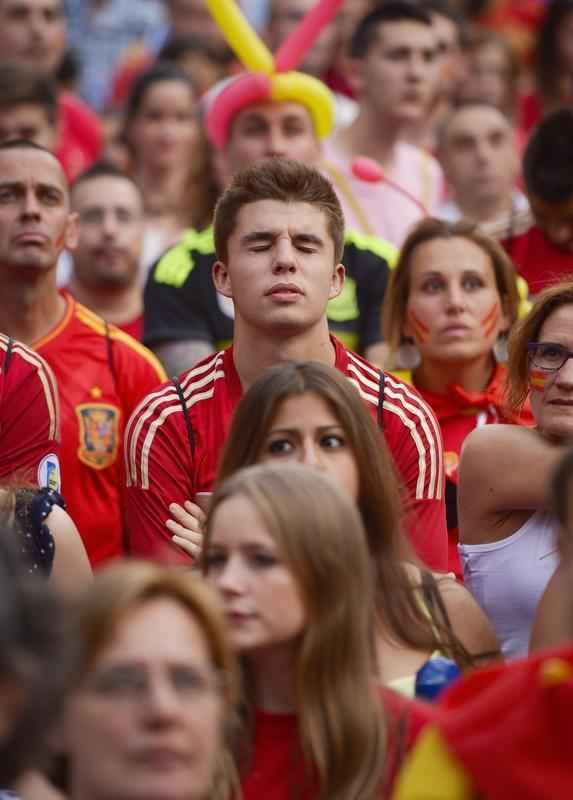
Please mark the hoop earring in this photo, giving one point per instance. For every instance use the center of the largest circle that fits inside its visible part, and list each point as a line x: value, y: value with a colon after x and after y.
x: 408, y: 355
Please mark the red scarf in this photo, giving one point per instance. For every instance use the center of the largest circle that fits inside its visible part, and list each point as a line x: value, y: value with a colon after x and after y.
x: 456, y: 401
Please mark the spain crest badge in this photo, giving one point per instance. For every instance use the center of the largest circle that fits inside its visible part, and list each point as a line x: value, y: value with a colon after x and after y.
x: 98, y: 434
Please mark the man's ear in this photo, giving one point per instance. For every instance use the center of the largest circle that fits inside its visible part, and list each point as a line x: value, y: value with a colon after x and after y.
x: 337, y: 281
x: 72, y: 231
x: 222, y: 279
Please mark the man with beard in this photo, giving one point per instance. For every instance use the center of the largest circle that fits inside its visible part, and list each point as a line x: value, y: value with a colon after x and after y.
x: 105, y: 275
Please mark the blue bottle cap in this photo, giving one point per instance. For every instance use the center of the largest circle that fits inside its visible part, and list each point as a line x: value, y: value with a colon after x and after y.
x: 434, y: 676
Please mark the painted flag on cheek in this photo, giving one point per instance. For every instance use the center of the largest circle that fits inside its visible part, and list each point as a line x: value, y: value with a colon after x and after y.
x: 537, y: 379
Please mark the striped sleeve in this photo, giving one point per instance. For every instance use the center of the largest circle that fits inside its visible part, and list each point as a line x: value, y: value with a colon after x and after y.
x: 159, y: 464
x: 29, y: 417
x: 414, y: 438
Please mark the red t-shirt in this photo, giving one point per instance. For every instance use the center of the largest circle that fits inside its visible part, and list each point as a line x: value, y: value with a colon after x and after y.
x: 537, y: 260
x: 161, y: 467
x: 29, y: 417
x: 102, y: 374
x: 80, y: 139
x: 276, y: 771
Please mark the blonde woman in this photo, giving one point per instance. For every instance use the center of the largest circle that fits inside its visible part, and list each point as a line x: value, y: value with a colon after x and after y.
x: 287, y: 553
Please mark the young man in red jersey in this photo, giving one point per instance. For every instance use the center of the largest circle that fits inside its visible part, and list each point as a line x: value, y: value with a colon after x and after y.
x: 102, y: 373
x: 29, y: 417
x: 279, y: 233
x: 543, y: 251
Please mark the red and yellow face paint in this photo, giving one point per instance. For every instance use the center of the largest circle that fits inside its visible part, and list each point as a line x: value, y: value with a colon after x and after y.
x: 490, y: 321
x: 419, y: 328
x: 538, y: 379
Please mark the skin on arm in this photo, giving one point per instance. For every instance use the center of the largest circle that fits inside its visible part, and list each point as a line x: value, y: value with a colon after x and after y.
x: 503, y: 475
x: 71, y: 570
x: 179, y: 356
x: 469, y: 622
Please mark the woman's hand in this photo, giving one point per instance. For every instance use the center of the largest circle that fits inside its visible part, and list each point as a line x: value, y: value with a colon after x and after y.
x: 187, y: 527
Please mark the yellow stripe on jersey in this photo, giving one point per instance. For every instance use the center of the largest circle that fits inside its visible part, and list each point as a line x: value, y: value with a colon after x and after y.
x: 97, y: 324
x: 376, y: 245
x: 431, y: 772
x: 174, y: 267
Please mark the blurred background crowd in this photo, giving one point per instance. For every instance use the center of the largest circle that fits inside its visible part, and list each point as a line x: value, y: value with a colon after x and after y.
x: 185, y: 613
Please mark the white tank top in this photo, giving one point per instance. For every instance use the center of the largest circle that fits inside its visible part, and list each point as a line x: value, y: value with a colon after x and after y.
x: 507, y: 578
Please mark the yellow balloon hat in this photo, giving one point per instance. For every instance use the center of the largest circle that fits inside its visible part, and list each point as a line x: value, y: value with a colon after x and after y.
x: 269, y: 78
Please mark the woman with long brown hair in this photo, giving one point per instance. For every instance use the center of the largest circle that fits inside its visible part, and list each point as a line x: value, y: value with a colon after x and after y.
x: 286, y: 551
x: 310, y: 413
x: 169, y: 156
x: 450, y: 303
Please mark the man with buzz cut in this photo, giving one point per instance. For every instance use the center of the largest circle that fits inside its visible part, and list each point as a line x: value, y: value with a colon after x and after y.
x: 101, y: 372
x: 279, y: 235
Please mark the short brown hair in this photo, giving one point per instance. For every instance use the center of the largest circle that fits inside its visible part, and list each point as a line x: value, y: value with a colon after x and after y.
x: 396, y: 299
x: 526, y: 331
x: 20, y: 85
x: 286, y: 181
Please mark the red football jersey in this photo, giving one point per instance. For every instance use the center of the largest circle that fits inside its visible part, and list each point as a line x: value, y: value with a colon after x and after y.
x: 164, y: 466
x: 537, y: 260
x: 102, y: 375
x: 29, y: 417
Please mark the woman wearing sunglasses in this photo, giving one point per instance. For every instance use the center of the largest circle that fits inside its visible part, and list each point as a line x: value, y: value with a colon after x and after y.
x: 508, y: 537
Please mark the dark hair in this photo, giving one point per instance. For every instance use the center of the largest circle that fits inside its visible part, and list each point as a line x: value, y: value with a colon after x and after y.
x: 547, y: 68
x: 36, y: 656
x: 548, y: 158
x: 177, y: 47
x: 161, y: 72
x: 20, y: 85
x: 201, y: 190
x: 26, y: 144
x: 445, y: 8
x: 102, y: 169
x: 283, y: 180
x: 366, y: 31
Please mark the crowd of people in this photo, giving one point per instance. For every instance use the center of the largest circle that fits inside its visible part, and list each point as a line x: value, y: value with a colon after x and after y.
x: 286, y: 399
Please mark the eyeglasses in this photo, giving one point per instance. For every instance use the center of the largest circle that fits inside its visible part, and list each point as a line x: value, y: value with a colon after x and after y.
x: 548, y: 356
x: 130, y: 682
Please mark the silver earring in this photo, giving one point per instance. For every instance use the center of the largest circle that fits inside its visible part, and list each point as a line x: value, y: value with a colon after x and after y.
x: 500, y: 349
x: 408, y: 355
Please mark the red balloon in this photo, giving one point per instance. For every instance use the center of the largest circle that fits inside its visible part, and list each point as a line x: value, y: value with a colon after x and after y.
x: 366, y: 169
x: 291, y: 52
